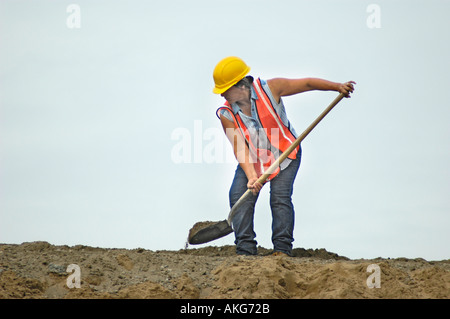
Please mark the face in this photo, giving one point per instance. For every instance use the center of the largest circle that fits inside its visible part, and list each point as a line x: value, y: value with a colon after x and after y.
x: 236, y: 94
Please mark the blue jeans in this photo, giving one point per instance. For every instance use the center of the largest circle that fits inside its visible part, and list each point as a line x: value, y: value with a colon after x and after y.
x: 281, y: 188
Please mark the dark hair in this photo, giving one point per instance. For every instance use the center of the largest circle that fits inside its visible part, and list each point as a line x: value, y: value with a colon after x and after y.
x: 246, y: 82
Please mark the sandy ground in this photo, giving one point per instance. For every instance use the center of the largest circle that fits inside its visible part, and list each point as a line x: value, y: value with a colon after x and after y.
x: 39, y: 270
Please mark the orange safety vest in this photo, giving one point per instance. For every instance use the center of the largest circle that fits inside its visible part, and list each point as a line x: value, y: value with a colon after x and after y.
x: 278, y: 134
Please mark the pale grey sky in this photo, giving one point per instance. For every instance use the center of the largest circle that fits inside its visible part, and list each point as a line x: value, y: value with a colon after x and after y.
x: 87, y: 117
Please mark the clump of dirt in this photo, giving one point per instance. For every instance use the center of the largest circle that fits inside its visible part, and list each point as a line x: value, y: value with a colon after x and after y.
x: 197, y: 227
x: 40, y: 270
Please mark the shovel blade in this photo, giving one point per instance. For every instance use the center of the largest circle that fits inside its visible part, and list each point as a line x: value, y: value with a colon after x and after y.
x: 209, y: 233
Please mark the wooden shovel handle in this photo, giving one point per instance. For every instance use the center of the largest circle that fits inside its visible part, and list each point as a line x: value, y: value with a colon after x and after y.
x: 263, y: 178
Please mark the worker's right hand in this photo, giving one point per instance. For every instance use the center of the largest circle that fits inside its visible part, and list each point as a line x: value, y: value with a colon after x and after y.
x: 346, y: 88
x: 254, y: 185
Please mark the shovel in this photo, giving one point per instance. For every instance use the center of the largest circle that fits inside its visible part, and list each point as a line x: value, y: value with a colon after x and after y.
x: 204, y: 232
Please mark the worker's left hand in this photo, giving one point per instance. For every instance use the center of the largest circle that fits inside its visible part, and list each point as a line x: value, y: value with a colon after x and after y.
x: 346, y: 88
x: 254, y: 185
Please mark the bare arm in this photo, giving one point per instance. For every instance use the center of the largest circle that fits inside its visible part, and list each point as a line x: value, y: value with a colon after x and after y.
x: 285, y: 87
x: 242, y: 154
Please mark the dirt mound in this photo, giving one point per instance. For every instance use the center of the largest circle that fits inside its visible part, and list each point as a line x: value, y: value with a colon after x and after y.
x: 40, y: 270
x: 276, y: 277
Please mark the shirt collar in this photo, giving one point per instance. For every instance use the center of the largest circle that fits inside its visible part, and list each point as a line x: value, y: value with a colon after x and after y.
x: 253, y: 96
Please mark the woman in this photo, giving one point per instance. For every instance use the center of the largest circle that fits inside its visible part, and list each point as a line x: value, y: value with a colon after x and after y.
x: 255, y: 122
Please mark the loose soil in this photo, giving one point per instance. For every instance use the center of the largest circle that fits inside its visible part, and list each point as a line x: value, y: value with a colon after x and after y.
x: 197, y: 227
x: 38, y: 270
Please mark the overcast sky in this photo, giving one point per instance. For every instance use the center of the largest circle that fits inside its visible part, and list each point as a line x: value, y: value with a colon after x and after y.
x: 102, y: 101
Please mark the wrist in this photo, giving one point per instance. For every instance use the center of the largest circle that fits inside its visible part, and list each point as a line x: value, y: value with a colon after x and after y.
x: 336, y: 86
x: 251, y: 174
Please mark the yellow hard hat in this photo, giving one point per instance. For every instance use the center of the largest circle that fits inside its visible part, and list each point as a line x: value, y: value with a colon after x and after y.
x: 228, y: 72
